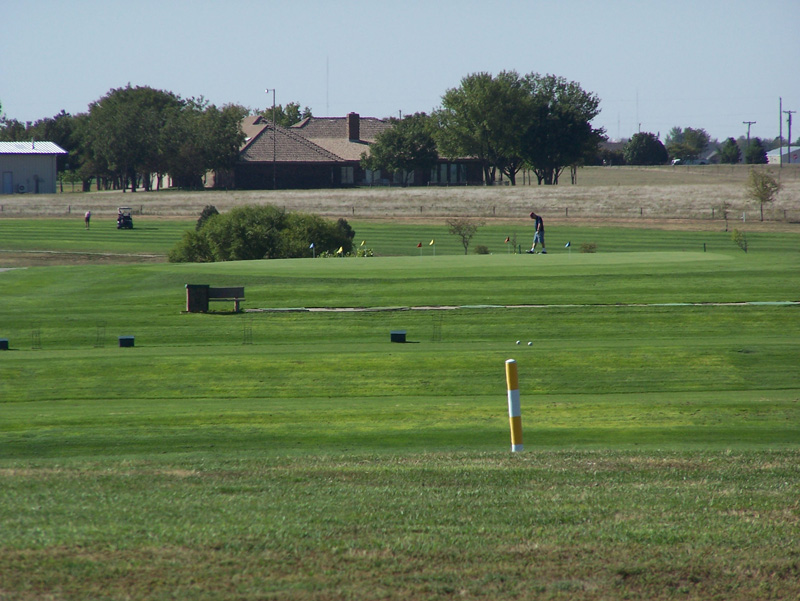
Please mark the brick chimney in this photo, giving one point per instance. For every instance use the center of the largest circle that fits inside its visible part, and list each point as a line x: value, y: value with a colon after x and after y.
x: 353, y: 126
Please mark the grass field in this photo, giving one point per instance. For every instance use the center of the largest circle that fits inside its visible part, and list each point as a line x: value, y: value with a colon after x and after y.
x: 298, y: 453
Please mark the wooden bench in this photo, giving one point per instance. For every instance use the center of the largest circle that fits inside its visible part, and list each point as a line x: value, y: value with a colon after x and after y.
x: 198, y: 296
x: 232, y: 293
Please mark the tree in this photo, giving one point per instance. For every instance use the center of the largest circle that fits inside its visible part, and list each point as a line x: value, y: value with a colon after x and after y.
x: 755, y: 154
x: 125, y: 128
x: 198, y: 137
x: 559, y: 131
x: 484, y: 117
x: 12, y: 130
x: 687, y: 145
x: 133, y: 133
x: 223, y: 134
x: 288, y: 115
x: 645, y: 149
x: 508, y: 120
x: 408, y: 145
x: 762, y: 187
x: 464, y: 228
x: 729, y: 152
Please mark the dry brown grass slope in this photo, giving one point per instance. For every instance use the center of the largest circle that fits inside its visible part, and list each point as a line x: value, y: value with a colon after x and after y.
x: 674, y: 196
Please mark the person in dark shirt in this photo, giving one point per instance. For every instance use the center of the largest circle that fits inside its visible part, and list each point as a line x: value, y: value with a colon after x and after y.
x: 538, y: 236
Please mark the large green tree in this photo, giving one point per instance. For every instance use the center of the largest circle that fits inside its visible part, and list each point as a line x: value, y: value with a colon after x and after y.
x: 755, y: 153
x: 687, y: 145
x: 137, y: 132
x: 198, y: 137
x: 559, y: 132
x: 508, y: 120
x: 485, y: 117
x: 125, y: 128
x: 645, y: 149
x: 729, y: 152
x: 407, y: 146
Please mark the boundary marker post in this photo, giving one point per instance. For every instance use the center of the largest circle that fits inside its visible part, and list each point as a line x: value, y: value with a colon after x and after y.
x: 514, y: 412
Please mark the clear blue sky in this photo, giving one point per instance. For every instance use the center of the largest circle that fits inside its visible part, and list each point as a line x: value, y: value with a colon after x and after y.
x: 708, y: 64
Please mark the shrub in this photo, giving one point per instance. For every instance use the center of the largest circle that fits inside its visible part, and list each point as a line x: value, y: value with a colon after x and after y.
x: 192, y: 248
x: 589, y: 247
x: 261, y: 232
x: 482, y: 249
x: 740, y: 239
x: 305, y: 228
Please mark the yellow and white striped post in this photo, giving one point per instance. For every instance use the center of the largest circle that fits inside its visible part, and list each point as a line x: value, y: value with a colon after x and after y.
x: 514, y: 412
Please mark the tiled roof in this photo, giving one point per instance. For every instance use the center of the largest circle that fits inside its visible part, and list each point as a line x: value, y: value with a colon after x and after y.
x: 289, y: 147
x: 252, y: 125
x: 336, y: 127
x: 345, y: 149
x: 32, y: 147
x: 312, y: 140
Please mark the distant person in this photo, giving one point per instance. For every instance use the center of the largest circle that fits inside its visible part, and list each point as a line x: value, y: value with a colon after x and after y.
x: 87, y: 218
x: 538, y: 236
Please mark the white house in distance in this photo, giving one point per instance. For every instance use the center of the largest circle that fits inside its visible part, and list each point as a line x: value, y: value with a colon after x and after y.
x: 791, y: 154
x: 29, y: 167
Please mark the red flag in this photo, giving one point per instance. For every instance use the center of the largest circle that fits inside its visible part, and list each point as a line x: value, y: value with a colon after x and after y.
x: 419, y: 245
x: 507, y: 239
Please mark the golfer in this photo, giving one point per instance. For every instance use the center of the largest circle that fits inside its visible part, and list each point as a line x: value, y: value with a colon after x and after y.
x: 538, y: 236
x: 87, y: 218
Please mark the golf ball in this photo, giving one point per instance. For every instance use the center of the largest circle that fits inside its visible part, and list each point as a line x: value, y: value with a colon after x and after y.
x: 530, y: 344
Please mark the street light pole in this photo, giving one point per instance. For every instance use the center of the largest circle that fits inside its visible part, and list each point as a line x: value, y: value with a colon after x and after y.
x: 274, y: 136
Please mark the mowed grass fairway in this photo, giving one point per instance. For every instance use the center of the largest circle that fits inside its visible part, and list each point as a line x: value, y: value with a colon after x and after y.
x: 291, y: 453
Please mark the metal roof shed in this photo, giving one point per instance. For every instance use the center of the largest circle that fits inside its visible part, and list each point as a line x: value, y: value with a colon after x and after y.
x: 29, y: 167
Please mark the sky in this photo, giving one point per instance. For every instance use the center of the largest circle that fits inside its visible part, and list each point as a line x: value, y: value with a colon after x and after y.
x: 710, y: 64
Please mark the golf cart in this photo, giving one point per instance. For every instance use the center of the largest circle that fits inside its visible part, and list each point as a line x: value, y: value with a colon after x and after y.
x: 124, y: 219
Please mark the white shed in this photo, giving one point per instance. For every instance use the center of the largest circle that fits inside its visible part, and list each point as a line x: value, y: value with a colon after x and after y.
x: 29, y: 167
x: 791, y: 154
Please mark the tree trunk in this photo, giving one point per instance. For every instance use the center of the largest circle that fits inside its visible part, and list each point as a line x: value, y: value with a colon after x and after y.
x: 488, y: 180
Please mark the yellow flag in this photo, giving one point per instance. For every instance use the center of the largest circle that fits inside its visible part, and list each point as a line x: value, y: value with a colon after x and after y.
x: 363, y: 242
x: 432, y: 243
x: 340, y: 251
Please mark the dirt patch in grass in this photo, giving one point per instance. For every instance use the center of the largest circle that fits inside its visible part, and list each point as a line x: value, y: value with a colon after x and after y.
x: 44, y: 258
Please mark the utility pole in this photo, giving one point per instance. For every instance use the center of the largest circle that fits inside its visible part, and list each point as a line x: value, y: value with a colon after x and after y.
x: 274, y: 136
x: 748, y: 124
x: 789, y: 134
x: 780, y: 128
